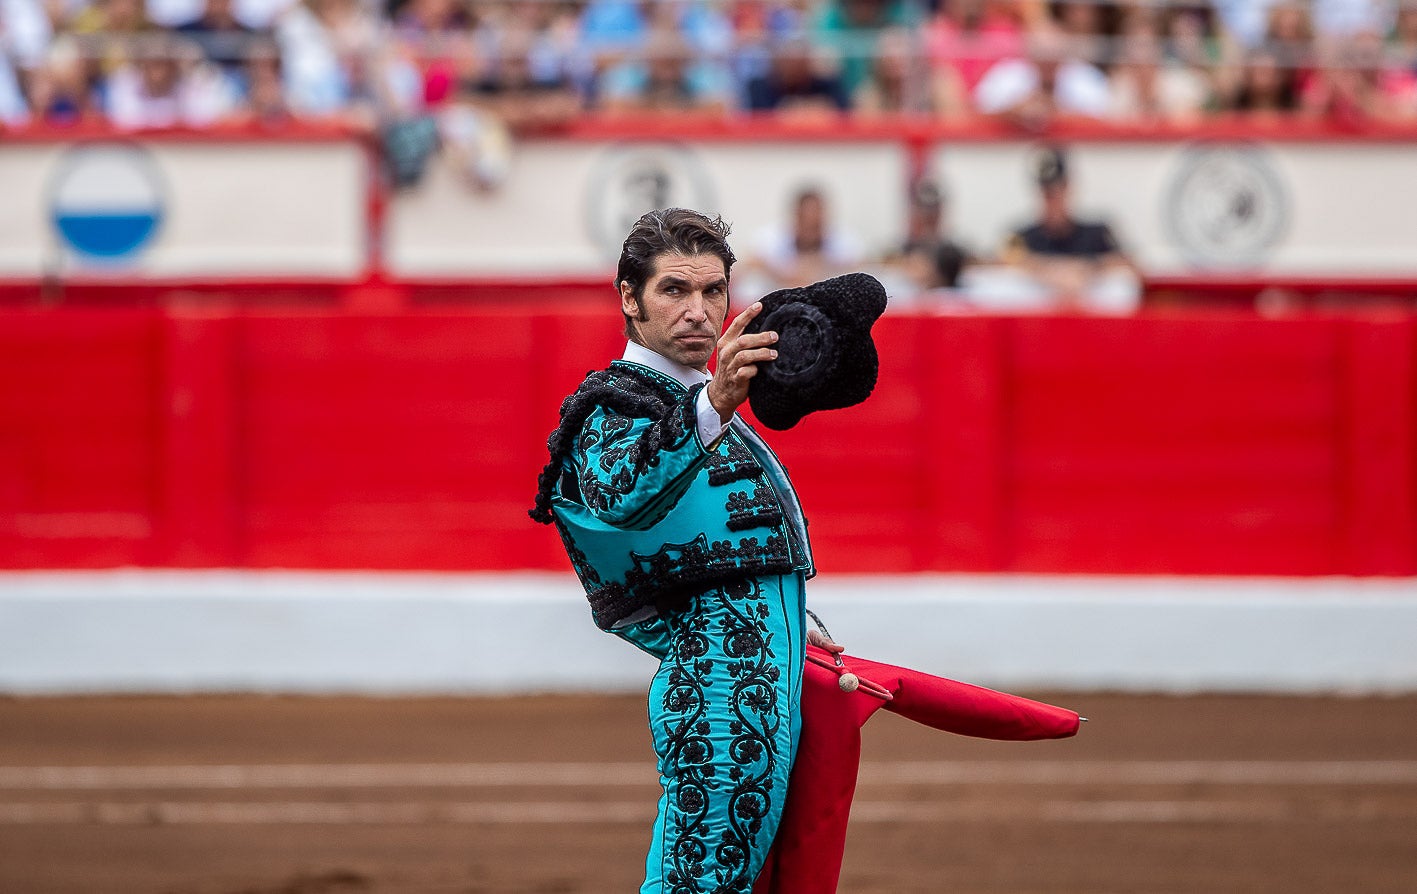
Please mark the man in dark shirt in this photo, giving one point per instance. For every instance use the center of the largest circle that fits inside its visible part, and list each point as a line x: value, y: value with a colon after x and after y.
x: 223, y: 39
x: 1063, y: 253
x: 794, y: 86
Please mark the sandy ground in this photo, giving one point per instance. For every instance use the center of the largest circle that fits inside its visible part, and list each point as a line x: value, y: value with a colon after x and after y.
x: 275, y: 795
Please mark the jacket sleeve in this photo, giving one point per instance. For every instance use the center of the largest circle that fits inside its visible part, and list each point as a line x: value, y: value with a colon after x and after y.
x: 631, y: 471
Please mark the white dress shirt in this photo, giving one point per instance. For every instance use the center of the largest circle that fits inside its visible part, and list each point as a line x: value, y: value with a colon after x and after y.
x: 710, y: 423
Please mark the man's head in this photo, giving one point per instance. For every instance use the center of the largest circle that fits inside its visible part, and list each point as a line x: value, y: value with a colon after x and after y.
x: 1053, y: 185
x: 809, y: 219
x: 1049, y: 48
x: 927, y: 210
x: 673, y: 283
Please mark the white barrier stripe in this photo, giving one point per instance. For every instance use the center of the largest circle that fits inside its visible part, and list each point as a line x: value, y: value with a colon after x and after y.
x: 288, y: 776
x: 642, y: 812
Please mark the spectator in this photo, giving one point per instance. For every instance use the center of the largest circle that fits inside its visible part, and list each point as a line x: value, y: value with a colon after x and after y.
x: 795, y: 86
x: 170, y: 85
x: 522, y: 94
x: 706, y: 28
x: 610, y: 30
x: 109, y: 31
x: 435, y: 35
x: 548, y: 30
x: 928, y: 257
x: 900, y: 83
x: 1090, y: 26
x: 967, y: 37
x: 222, y: 38
x: 663, y: 77
x: 851, y: 28
x: 1079, y: 262
x: 1289, y: 30
x: 59, y: 90
x: 809, y: 249
x: 1148, y: 91
x: 758, y: 26
x: 266, y: 104
x: 1265, y: 90
x: 1355, y: 88
x: 1051, y: 84
x: 324, y: 45
x: 1193, y: 36
x: 523, y: 85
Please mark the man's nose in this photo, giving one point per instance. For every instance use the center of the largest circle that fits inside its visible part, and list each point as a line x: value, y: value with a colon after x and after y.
x: 695, y: 310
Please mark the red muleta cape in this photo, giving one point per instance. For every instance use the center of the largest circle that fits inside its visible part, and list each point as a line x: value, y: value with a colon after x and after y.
x: 806, y: 855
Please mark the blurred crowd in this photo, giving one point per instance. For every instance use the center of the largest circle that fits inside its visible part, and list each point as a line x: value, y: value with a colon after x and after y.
x: 536, y: 64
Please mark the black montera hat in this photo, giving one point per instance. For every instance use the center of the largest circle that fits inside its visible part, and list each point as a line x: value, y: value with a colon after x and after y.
x: 825, y: 357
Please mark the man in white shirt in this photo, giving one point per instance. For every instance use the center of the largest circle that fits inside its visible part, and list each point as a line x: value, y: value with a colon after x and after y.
x: 1050, y: 83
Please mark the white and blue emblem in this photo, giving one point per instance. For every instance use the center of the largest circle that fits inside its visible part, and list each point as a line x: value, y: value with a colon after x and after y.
x: 107, y: 201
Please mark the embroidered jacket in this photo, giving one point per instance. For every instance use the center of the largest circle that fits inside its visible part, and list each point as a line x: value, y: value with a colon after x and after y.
x: 647, y: 512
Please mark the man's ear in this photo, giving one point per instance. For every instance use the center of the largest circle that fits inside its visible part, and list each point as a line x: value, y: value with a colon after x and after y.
x: 629, y: 304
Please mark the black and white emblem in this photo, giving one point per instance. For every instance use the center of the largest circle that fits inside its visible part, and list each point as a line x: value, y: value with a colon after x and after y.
x: 1227, y: 206
x: 631, y: 179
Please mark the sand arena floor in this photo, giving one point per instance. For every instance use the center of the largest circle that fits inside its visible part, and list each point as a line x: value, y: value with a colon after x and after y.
x: 277, y: 795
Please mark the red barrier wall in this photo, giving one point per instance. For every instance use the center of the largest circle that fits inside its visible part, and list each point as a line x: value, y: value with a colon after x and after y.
x: 316, y: 439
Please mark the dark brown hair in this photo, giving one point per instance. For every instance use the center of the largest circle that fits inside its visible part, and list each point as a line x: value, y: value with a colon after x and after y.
x: 669, y: 231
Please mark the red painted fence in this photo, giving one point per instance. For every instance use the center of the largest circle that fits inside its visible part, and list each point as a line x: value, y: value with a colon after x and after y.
x: 320, y: 439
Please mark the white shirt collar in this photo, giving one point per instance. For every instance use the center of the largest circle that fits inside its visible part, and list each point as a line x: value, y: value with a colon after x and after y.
x: 686, y: 376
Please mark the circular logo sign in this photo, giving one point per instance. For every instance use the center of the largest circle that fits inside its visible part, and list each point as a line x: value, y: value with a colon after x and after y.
x: 107, y: 200
x: 629, y: 180
x: 1227, y: 207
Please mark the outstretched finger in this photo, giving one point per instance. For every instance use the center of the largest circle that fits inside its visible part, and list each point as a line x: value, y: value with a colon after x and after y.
x: 741, y: 321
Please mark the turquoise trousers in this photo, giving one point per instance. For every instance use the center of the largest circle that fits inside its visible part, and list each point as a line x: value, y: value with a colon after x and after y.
x: 723, y: 714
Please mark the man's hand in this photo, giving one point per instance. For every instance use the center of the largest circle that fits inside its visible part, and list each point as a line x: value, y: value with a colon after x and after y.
x: 819, y: 639
x: 738, y: 359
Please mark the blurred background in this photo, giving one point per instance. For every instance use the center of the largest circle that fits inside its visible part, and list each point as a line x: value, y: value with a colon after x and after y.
x: 290, y: 293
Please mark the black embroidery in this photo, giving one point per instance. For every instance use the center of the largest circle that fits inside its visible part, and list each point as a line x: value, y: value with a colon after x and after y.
x: 627, y: 462
x: 624, y: 392
x: 754, y: 722
x: 734, y: 462
x: 675, y: 571
x: 691, y: 752
x: 756, y: 510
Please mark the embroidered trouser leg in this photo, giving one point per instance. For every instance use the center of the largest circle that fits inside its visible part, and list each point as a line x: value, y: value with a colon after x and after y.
x: 723, y: 712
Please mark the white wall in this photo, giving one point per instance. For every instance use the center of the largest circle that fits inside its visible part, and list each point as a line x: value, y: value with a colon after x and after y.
x: 167, y: 631
x: 227, y: 209
x: 1341, y: 208
x: 565, y: 206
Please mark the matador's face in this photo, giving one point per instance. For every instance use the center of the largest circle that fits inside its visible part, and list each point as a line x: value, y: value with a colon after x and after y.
x: 681, y: 312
